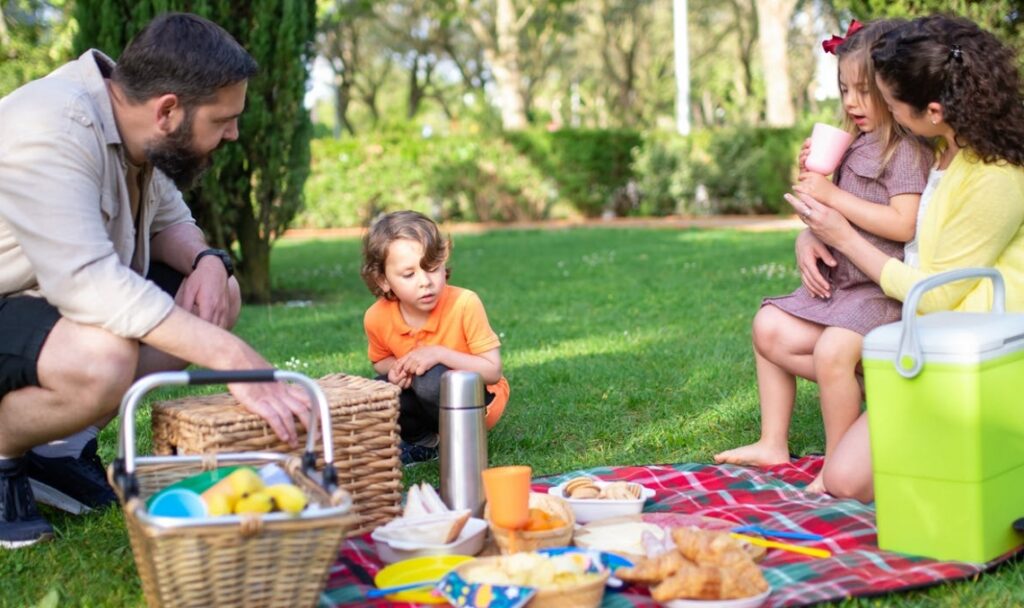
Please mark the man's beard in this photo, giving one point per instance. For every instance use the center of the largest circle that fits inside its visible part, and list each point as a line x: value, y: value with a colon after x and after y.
x: 175, y: 156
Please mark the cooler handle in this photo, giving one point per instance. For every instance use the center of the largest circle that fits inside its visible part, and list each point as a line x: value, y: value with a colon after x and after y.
x: 124, y: 465
x: 910, y: 345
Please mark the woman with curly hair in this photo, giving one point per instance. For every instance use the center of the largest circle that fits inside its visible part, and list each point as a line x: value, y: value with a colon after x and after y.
x: 945, y: 79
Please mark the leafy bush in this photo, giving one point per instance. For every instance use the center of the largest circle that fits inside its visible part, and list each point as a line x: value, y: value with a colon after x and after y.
x: 735, y: 170
x: 534, y: 174
x: 467, y: 178
x: 590, y: 166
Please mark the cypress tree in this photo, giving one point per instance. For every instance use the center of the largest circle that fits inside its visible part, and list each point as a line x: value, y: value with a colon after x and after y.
x: 254, y: 188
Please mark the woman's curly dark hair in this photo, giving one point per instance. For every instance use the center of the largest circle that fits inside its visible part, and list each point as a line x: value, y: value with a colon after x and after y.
x: 952, y: 61
x: 401, y: 225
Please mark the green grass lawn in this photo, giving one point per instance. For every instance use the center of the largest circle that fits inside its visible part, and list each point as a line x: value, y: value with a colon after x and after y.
x: 621, y: 346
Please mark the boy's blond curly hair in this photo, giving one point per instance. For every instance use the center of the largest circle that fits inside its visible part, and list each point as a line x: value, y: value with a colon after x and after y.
x: 401, y: 225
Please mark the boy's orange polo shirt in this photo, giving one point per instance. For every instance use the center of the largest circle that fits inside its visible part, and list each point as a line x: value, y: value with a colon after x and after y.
x: 458, y: 322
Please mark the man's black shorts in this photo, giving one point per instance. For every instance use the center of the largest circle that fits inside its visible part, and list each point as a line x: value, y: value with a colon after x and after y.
x: 25, y: 323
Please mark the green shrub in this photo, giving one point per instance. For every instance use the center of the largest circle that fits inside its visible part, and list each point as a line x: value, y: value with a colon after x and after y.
x: 534, y: 174
x: 734, y: 170
x: 590, y: 166
x: 464, y: 177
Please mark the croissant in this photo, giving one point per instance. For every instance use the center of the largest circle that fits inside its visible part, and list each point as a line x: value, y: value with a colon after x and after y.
x: 708, y: 548
x: 710, y: 583
x: 651, y: 570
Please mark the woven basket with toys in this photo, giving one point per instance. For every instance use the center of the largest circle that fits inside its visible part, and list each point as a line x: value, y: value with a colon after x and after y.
x: 551, y: 525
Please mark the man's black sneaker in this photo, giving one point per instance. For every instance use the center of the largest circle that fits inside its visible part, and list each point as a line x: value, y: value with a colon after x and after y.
x: 412, y: 453
x: 75, y: 485
x: 21, y: 524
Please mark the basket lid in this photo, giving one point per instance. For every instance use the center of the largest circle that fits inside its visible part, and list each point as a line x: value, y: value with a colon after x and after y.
x: 956, y: 337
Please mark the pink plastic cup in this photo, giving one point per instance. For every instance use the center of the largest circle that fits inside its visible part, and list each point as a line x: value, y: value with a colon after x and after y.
x: 828, y: 144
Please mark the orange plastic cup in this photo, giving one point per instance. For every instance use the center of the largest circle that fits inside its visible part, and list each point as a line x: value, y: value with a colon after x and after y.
x: 508, y: 495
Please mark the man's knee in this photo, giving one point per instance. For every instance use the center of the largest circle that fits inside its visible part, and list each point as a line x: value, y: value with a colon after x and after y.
x: 93, y: 369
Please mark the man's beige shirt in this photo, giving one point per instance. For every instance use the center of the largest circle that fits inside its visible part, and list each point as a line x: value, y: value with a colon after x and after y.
x: 66, y: 227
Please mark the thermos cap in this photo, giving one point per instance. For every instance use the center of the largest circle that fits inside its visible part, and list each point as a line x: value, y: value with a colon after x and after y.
x: 461, y: 390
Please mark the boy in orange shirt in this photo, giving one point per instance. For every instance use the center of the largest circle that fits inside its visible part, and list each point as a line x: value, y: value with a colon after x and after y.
x: 421, y: 327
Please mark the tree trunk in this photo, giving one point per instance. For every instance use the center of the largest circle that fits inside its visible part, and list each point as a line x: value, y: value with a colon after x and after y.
x: 504, y: 60
x: 773, y: 26
x: 343, y: 97
x: 254, y: 268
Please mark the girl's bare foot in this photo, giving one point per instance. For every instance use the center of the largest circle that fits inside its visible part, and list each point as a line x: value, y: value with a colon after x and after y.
x: 817, y: 485
x: 758, y: 454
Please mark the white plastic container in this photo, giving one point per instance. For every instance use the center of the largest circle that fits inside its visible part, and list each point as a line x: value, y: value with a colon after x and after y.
x: 469, y: 542
x: 587, y: 510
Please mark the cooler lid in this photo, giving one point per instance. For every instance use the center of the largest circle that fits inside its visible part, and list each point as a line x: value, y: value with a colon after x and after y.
x: 960, y: 334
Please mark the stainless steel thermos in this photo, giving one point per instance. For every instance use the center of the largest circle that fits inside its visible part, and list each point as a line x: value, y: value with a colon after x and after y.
x: 463, y: 440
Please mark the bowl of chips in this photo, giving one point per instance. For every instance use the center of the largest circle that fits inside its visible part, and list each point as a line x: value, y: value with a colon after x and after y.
x: 531, y: 580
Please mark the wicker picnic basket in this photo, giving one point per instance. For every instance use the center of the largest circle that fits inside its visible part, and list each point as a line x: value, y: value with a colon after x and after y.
x: 542, y: 539
x: 273, y: 559
x: 364, y: 428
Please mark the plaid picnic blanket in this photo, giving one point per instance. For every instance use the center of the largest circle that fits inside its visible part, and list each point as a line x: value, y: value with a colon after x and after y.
x: 770, y: 497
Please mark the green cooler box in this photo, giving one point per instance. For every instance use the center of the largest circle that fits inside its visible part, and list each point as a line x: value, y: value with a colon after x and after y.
x: 945, y: 398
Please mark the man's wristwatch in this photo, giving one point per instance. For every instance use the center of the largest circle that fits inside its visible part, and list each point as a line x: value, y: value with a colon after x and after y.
x: 224, y: 256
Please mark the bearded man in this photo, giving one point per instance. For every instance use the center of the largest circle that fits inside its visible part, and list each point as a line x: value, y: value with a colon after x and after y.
x: 104, y: 276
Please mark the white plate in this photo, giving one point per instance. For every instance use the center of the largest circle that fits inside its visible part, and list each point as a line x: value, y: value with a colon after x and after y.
x: 746, y: 602
x: 469, y: 542
x: 587, y: 510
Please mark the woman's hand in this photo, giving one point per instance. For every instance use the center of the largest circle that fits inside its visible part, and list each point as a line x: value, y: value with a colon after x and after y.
x: 805, y: 151
x: 826, y: 223
x: 809, y: 249
x: 816, y: 186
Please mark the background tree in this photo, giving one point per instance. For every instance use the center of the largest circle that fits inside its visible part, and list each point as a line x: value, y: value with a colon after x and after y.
x: 255, y: 185
x: 773, y: 18
x: 497, y: 25
x: 34, y: 37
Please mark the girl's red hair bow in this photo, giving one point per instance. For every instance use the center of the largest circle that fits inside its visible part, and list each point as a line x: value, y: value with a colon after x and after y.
x: 833, y: 43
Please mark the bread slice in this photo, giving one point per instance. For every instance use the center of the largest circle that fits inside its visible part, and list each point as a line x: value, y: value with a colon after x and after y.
x: 414, y: 504
x: 431, y: 500
x: 432, y: 529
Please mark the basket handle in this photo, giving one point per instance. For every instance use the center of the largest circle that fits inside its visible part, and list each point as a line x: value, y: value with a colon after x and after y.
x: 910, y: 345
x: 124, y: 465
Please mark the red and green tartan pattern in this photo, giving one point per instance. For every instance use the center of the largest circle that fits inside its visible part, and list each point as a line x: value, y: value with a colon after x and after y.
x: 772, y: 498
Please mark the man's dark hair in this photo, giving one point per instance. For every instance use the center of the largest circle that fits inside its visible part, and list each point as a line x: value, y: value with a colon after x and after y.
x: 183, y: 54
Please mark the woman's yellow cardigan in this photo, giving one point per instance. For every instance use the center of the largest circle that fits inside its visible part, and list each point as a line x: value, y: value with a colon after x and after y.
x: 974, y: 219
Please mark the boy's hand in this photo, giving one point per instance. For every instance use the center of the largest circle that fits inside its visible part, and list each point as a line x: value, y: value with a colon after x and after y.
x: 816, y: 186
x: 420, y: 360
x: 805, y: 151
x: 397, y: 376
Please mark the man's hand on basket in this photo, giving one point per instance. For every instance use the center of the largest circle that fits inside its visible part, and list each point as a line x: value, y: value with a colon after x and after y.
x: 277, y: 403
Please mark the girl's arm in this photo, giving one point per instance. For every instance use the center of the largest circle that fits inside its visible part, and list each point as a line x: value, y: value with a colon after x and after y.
x: 895, y: 222
x: 831, y: 227
x: 487, y: 363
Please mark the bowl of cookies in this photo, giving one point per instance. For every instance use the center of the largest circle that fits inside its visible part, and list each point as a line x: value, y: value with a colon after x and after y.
x: 594, y: 499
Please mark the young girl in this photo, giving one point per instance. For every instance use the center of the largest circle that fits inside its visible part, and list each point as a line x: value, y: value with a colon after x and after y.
x: 946, y: 79
x: 817, y: 331
x: 420, y: 327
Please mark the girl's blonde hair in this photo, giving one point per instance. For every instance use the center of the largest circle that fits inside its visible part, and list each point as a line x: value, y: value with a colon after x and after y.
x: 392, y: 227
x: 857, y: 47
